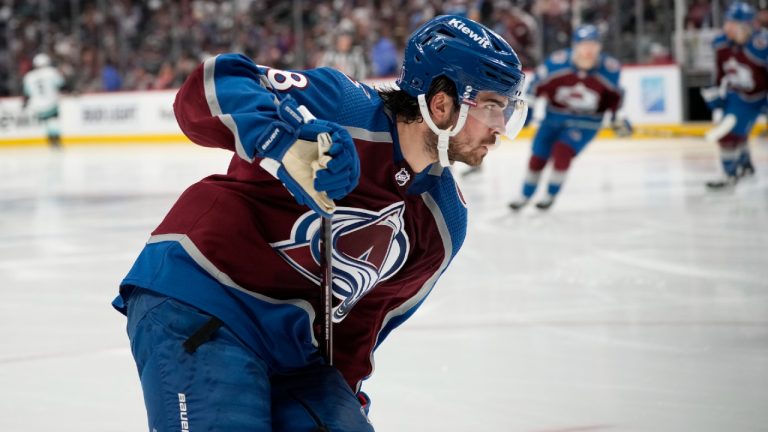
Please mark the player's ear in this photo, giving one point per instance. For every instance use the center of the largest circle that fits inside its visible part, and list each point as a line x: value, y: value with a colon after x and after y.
x: 440, y: 106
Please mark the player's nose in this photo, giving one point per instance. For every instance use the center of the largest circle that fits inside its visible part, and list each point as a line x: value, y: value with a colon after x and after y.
x: 497, y: 126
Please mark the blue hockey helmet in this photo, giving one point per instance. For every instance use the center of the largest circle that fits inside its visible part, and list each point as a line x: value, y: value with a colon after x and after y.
x: 740, y: 11
x: 475, y: 59
x: 586, y: 32
x: 471, y: 55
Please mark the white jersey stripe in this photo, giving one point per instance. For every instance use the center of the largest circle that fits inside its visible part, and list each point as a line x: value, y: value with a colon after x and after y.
x: 223, y: 278
x: 366, y: 135
x: 209, y: 69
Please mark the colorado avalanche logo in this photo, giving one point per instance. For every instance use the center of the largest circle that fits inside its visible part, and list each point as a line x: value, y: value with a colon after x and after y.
x: 739, y: 75
x: 368, y: 247
x: 579, y: 98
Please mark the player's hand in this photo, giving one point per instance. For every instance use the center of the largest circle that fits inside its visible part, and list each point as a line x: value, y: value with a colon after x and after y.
x: 712, y: 97
x: 315, y: 160
x: 621, y: 127
x: 340, y: 174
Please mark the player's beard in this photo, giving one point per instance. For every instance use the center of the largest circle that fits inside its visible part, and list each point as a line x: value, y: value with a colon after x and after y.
x: 459, y: 150
x: 462, y: 151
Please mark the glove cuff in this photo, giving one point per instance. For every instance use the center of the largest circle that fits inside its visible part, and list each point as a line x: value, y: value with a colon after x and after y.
x: 276, y: 140
x: 712, y: 97
x: 288, y: 111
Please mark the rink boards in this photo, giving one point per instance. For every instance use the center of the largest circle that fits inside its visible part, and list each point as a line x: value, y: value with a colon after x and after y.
x: 653, y: 103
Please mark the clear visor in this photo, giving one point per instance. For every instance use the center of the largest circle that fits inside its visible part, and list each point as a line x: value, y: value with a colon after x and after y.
x: 505, y: 116
x: 737, y: 31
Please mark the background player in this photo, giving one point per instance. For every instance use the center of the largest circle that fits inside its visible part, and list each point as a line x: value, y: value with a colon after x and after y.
x: 739, y: 93
x: 579, y: 86
x: 41, y: 95
x: 222, y: 301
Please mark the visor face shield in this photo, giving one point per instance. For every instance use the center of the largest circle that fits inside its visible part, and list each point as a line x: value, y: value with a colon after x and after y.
x: 737, y: 31
x: 586, y: 53
x: 506, y: 116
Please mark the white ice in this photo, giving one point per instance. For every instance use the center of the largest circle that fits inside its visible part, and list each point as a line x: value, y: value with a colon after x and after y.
x: 639, y: 302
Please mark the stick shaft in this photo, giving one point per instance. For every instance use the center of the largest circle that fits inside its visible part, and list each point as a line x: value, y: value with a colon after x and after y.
x: 326, y: 300
x: 327, y: 291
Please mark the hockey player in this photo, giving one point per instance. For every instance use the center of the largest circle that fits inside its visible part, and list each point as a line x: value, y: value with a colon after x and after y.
x: 223, y: 303
x: 580, y: 85
x: 739, y: 93
x: 41, y: 95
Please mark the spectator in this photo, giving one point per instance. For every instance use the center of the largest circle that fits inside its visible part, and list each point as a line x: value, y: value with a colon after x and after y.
x: 165, y: 77
x: 385, y: 60
x: 346, y: 57
x: 659, y: 54
x: 762, y: 17
x: 699, y: 15
x: 147, y: 33
x: 519, y: 29
x: 110, y: 77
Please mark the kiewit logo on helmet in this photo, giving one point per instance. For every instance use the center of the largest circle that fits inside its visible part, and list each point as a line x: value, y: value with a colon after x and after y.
x: 459, y: 25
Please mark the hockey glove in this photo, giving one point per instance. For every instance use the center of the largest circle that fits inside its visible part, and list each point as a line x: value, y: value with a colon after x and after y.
x: 621, y: 127
x: 713, y: 98
x: 316, y: 160
x: 342, y: 171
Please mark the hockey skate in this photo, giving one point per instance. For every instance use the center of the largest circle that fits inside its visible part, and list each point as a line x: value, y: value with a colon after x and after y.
x: 546, y: 203
x: 746, y: 169
x: 721, y: 184
x: 518, y: 204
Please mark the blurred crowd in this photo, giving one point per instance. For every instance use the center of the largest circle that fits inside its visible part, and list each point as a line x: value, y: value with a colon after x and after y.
x: 101, y: 45
x: 111, y: 45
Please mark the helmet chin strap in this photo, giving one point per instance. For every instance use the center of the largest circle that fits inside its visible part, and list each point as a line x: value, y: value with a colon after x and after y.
x: 443, y: 135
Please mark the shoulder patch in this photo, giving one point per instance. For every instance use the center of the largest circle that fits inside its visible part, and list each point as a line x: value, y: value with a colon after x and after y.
x: 611, y: 64
x: 559, y: 57
x: 760, y: 40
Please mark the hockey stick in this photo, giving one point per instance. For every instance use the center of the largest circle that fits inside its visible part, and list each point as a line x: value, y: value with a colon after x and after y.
x: 326, y: 258
x: 327, y: 263
x: 712, y: 134
x: 666, y: 133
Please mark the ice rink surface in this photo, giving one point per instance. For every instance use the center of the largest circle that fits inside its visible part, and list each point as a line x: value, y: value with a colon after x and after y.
x: 639, y: 302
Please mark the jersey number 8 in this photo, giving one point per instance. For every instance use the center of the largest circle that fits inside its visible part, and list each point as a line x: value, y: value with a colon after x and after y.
x: 283, y: 80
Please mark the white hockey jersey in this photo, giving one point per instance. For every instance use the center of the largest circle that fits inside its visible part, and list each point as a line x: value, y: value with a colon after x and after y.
x: 42, y: 86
